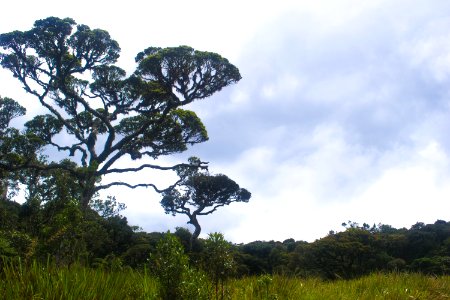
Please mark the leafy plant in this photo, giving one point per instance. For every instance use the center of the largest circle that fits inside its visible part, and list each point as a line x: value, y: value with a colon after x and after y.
x: 169, y: 264
x: 218, y: 261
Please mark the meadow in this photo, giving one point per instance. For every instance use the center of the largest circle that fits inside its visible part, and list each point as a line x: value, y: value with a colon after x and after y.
x: 37, y: 281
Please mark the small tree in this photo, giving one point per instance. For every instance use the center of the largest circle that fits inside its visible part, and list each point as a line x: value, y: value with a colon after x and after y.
x: 200, y: 193
x: 169, y: 264
x: 218, y: 260
x: 177, y: 279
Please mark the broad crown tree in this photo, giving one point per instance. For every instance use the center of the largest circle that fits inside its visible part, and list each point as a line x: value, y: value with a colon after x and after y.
x: 70, y: 70
x: 200, y: 193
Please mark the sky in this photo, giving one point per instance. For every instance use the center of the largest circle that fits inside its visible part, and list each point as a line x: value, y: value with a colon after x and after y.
x: 343, y: 112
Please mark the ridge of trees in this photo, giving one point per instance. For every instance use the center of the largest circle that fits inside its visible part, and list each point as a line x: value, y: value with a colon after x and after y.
x: 63, y: 232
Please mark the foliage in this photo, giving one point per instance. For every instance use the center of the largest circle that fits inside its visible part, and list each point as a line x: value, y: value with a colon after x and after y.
x: 14, y: 147
x: 169, y: 264
x: 58, y: 227
x: 9, y: 215
x: 345, y: 255
x: 70, y: 70
x: 199, y: 193
x: 357, y: 251
x: 37, y: 281
x: 196, y: 285
x: 107, y: 208
x: 65, y: 236
x: 218, y: 261
x: 176, y: 279
x: 437, y: 265
x: 16, y: 244
x: 9, y: 109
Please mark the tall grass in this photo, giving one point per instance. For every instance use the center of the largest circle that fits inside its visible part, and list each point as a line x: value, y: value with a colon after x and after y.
x: 35, y: 281
x: 375, y: 286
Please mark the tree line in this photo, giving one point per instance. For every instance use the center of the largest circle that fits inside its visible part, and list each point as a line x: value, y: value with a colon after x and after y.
x: 103, y: 238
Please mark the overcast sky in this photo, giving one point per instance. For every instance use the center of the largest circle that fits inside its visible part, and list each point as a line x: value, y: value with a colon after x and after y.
x: 343, y: 112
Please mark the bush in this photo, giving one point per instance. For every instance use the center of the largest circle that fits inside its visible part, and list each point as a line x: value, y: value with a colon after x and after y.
x: 177, y: 280
x: 218, y: 260
x: 436, y: 265
x: 14, y: 243
x: 169, y: 264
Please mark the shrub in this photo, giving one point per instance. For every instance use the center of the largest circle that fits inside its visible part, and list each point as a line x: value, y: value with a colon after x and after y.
x: 168, y: 264
x: 218, y: 260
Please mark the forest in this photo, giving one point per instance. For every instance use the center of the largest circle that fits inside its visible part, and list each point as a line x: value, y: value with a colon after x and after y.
x: 95, y: 116
x: 62, y: 232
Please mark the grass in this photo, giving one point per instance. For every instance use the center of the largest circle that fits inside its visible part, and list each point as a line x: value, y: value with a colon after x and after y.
x: 35, y: 281
x: 375, y: 286
x: 75, y: 282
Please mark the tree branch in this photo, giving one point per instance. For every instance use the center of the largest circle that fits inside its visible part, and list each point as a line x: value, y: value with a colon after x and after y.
x: 40, y: 167
x: 212, y: 210
x: 134, y: 186
x: 202, y: 165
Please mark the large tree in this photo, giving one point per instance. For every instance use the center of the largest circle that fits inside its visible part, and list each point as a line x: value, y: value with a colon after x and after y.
x: 199, y: 193
x: 108, y: 115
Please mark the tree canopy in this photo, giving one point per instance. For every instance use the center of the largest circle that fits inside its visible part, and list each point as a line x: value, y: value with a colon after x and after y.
x: 14, y: 146
x: 199, y: 193
x: 70, y: 70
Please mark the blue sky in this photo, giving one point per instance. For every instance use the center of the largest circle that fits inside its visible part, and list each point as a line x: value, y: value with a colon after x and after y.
x: 343, y: 112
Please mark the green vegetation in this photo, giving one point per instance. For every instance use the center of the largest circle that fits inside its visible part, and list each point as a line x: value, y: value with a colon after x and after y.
x: 199, y: 194
x: 176, y: 279
x: 375, y: 286
x: 103, y: 114
x: 35, y: 281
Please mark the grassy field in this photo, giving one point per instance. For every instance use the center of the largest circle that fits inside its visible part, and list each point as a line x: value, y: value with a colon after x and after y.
x: 38, y: 282
x: 375, y: 286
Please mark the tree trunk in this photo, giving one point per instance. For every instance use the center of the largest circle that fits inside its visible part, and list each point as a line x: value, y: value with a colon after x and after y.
x: 198, y: 229
x: 88, y: 191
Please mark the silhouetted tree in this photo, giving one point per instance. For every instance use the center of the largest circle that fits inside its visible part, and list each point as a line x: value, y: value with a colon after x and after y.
x: 200, y: 193
x: 107, y: 114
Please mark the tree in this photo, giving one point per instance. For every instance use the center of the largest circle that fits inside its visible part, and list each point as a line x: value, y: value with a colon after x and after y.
x: 9, y: 109
x: 218, y: 261
x: 169, y: 263
x: 107, y: 114
x: 199, y: 193
x: 108, y: 208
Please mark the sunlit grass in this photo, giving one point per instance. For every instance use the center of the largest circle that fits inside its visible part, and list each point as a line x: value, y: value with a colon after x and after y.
x: 75, y: 282
x: 375, y: 286
x: 35, y: 281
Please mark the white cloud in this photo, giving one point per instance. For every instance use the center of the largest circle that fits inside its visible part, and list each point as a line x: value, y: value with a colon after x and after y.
x: 427, y: 46
x: 304, y: 201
